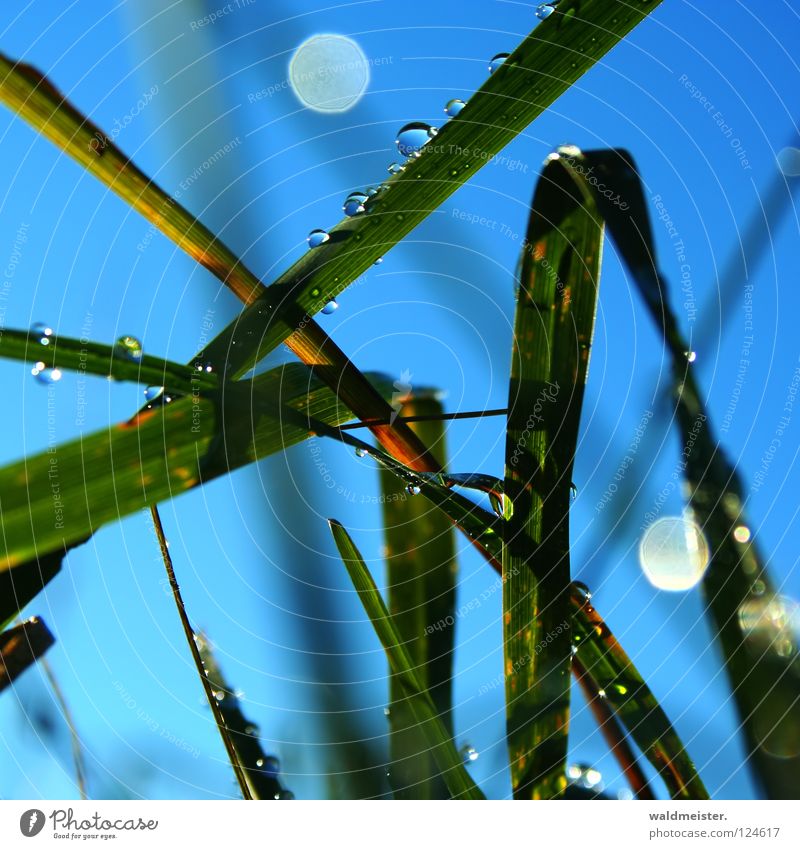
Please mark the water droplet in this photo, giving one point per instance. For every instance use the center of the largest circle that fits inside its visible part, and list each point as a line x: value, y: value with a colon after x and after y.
x: 330, y: 307
x: 411, y: 138
x: 396, y: 168
x: 285, y: 794
x: 497, y: 61
x: 499, y: 503
x: 269, y: 765
x: 469, y: 754
x: 582, y: 590
x: 129, y: 348
x: 361, y: 452
x: 219, y: 695
x: 789, y: 162
x: 573, y: 493
x: 378, y: 261
x: 544, y: 10
x: 673, y: 553
x: 453, y: 107
x: 387, y: 711
x: 46, y: 375
x: 741, y: 533
x: 601, y: 693
x: 691, y: 356
x: 317, y: 238
x: 42, y: 332
x: 152, y: 392
x: 371, y: 191
x: 413, y: 489
x: 354, y: 204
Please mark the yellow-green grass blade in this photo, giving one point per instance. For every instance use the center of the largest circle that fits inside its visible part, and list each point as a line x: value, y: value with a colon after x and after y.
x: 555, y: 54
x: 63, y: 353
x: 553, y: 330
x: 751, y: 620
x: 56, y: 499
x: 421, y: 579
x: 619, y: 682
x: 451, y: 768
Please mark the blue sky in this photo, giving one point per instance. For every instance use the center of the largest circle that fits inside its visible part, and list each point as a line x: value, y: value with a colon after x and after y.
x: 703, y: 94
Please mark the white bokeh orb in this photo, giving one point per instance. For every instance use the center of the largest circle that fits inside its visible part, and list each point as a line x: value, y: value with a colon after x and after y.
x: 674, y: 554
x: 329, y: 73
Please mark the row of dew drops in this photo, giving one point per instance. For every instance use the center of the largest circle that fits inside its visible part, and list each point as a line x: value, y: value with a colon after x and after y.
x: 410, y: 141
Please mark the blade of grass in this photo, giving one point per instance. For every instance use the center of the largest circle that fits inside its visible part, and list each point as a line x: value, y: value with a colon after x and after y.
x: 241, y: 743
x: 103, y: 360
x: 20, y: 647
x: 451, y: 767
x: 619, y: 682
x: 600, y: 653
x: 553, y: 331
x: 421, y: 577
x: 48, y: 502
x: 66, y: 713
x: 35, y: 99
x: 762, y: 673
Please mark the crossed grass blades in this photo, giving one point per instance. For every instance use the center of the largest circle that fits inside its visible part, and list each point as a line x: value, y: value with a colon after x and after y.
x: 164, y: 449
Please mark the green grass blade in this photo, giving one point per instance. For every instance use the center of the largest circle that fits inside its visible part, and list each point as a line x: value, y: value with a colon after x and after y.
x: 86, y: 357
x: 20, y: 647
x: 404, y: 673
x: 555, y: 54
x: 761, y: 663
x: 624, y: 689
x: 552, y: 336
x: 421, y: 576
x: 48, y: 502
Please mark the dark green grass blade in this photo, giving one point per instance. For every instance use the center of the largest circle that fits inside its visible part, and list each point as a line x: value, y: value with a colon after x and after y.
x: 20, y: 647
x: 623, y: 687
x: 104, y: 361
x: 552, y: 336
x: 421, y: 576
x: 58, y: 498
x: 642, y: 716
x: 440, y: 744
x: 544, y: 65
x: 762, y: 665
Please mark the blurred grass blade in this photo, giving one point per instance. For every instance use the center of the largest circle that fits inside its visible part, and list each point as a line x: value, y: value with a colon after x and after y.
x: 20, y: 647
x: 555, y: 54
x: 48, y: 501
x: 618, y: 679
x: 404, y: 673
x: 421, y: 577
x: 751, y: 620
x: 87, y: 357
x: 553, y: 330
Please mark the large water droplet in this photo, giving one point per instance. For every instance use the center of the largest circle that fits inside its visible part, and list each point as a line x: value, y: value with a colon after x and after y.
x: 582, y: 590
x: 354, y: 204
x: 361, y: 452
x: 330, y: 307
x: 42, y: 332
x: 129, y: 348
x: 411, y: 139
x: 691, y: 356
x: 46, y: 375
x: 153, y: 392
x: 317, y: 238
x: 544, y: 10
x: 453, y: 107
x: 497, y: 61
x: 673, y: 553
